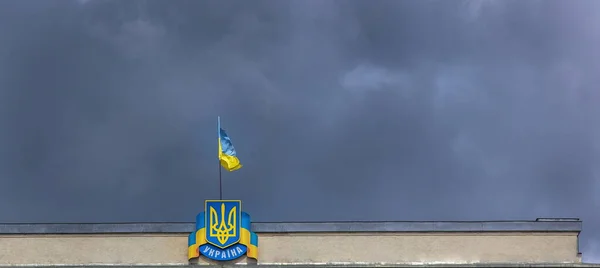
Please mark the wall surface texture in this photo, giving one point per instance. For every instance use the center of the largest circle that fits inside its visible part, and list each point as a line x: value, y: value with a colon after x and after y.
x: 543, y: 241
x: 297, y: 248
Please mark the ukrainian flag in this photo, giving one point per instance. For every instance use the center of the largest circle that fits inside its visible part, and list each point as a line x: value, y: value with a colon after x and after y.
x: 227, y: 154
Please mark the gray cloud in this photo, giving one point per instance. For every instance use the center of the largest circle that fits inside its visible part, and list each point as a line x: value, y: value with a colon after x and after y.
x: 394, y: 110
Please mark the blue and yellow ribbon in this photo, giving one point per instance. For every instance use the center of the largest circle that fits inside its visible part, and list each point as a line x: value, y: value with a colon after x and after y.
x: 247, y: 237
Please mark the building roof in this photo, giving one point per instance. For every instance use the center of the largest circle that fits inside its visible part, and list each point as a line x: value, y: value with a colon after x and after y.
x: 478, y: 265
x: 539, y: 225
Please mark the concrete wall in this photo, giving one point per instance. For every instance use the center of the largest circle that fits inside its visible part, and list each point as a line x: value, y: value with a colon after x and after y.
x: 331, y: 247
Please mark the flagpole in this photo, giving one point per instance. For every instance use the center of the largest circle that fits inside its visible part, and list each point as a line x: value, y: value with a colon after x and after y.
x: 219, y: 160
x: 220, y: 184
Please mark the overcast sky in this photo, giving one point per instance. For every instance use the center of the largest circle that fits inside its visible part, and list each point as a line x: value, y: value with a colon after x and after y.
x: 339, y: 110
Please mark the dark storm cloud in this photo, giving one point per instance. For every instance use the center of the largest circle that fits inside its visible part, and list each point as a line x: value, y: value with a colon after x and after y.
x: 385, y: 110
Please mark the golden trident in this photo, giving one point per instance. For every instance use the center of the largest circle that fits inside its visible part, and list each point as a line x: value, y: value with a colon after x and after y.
x: 224, y: 231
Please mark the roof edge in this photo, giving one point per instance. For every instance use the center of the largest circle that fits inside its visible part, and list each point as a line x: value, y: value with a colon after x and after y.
x: 574, y: 225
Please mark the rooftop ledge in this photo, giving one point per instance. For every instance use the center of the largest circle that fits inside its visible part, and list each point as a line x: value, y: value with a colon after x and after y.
x: 539, y: 225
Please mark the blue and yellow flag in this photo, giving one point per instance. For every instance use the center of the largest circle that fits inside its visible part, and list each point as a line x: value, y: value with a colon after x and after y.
x: 227, y: 154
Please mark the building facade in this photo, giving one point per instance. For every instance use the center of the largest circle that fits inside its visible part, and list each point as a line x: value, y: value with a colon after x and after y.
x: 542, y: 242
